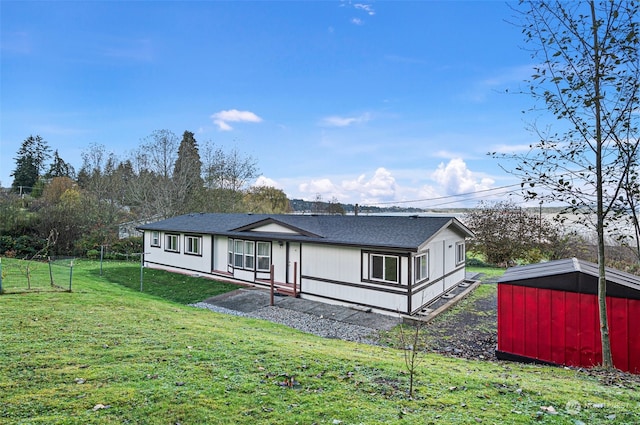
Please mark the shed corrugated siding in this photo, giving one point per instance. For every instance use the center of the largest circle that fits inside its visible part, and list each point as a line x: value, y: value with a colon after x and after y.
x: 563, y: 327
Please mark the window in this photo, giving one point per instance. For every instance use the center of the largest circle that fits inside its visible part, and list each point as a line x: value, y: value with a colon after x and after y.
x: 172, y: 243
x: 238, y: 254
x: 384, y: 268
x: 264, y: 256
x: 155, y: 238
x: 249, y: 258
x: 422, y: 267
x: 248, y: 254
x: 192, y: 245
x: 460, y: 254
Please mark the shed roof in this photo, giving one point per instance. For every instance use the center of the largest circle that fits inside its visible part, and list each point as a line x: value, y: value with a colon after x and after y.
x: 400, y: 232
x: 573, y: 275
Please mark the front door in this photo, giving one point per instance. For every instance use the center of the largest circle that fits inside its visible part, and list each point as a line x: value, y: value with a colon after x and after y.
x: 293, y: 258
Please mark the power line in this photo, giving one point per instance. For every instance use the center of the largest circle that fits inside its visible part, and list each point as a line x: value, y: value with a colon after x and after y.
x: 452, y: 196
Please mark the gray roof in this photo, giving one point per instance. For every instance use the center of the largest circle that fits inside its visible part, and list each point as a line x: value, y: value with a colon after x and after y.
x: 403, y: 232
x: 567, y: 266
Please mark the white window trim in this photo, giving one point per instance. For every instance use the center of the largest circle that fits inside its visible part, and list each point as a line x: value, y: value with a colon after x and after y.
x: 169, y: 246
x: 238, y: 253
x: 384, y: 268
x: 155, y: 238
x: 242, y: 253
x: 460, y: 253
x: 263, y: 257
x: 190, y: 242
x: 249, y: 255
x: 418, y: 270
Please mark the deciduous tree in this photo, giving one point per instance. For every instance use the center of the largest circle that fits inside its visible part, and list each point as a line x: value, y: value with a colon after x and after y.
x: 505, y: 232
x: 588, y: 77
x: 266, y: 200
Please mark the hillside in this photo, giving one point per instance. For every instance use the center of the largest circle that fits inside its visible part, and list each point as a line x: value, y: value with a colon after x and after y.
x: 107, y: 354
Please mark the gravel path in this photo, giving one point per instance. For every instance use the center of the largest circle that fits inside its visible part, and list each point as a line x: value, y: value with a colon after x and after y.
x: 326, y: 328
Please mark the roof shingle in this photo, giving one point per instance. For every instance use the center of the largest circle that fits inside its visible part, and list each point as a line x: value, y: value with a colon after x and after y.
x: 405, y: 232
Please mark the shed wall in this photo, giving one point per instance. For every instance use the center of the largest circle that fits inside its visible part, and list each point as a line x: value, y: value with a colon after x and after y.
x: 563, y: 327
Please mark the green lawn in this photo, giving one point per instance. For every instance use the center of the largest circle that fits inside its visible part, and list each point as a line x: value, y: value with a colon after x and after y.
x: 107, y: 354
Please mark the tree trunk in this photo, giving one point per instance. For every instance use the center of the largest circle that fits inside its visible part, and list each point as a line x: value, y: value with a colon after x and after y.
x: 607, y: 360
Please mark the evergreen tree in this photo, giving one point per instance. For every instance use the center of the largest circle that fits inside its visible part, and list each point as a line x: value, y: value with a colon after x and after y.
x: 187, y: 174
x: 30, y: 163
x: 60, y: 168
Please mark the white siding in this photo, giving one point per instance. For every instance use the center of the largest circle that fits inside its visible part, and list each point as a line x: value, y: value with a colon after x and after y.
x: 334, y: 273
x: 341, y: 264
x: 274, y: 228
x: 196, y: 263
x: 393, y: 302
x: 337, y: 273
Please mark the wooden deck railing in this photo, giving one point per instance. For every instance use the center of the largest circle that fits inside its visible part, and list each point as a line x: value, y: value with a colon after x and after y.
x: 284, y: 288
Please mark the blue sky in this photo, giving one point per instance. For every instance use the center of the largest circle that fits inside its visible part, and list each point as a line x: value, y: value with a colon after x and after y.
x: 365, y: 102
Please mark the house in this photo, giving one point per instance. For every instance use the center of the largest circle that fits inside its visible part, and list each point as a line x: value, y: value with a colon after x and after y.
x: 548, y: 313
x: 394, y: 264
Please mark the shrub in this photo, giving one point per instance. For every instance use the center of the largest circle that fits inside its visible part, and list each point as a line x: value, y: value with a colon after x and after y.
x: 93, y: 254
x: 7, y: 243
x: 476, y: 262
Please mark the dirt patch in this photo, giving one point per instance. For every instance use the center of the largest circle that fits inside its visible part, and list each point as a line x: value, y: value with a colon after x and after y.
x: 469, y: 329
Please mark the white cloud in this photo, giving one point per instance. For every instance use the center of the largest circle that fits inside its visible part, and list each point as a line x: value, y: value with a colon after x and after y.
x: 381, y: 187
x: 321, y: 186
x: 404, y: 187
x: 365, y: 7
x: 337, y: 121
x: 223, y: 118
x: 357, y: 21
x: 456, y: 178
x: 263, y: 181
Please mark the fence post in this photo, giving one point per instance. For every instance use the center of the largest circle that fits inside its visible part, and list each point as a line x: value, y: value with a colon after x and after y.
x: 51, y: 281
x: 70, y: 275
x: 101, y: 257
x: 141, y: 269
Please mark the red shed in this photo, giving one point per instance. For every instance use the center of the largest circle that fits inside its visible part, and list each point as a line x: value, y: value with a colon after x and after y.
x: 548, y: 313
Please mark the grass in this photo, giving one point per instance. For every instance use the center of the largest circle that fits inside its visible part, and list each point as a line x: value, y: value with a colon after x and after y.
x: 108, y: 354
x: 179, y: 288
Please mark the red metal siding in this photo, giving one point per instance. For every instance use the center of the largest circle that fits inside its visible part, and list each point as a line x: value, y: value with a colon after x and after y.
x: 563, y: 327
x: 559, y: 332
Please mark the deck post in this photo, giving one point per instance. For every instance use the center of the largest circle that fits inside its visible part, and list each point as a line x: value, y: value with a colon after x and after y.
x: 295, y: 280
x: 271, y: 303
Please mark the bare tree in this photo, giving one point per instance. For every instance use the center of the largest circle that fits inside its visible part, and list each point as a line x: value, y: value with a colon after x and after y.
x: 226, y: 176
x: 413, y: 344
x: 588, y: 77
x: 505, y: 233
x: 155, y: 160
